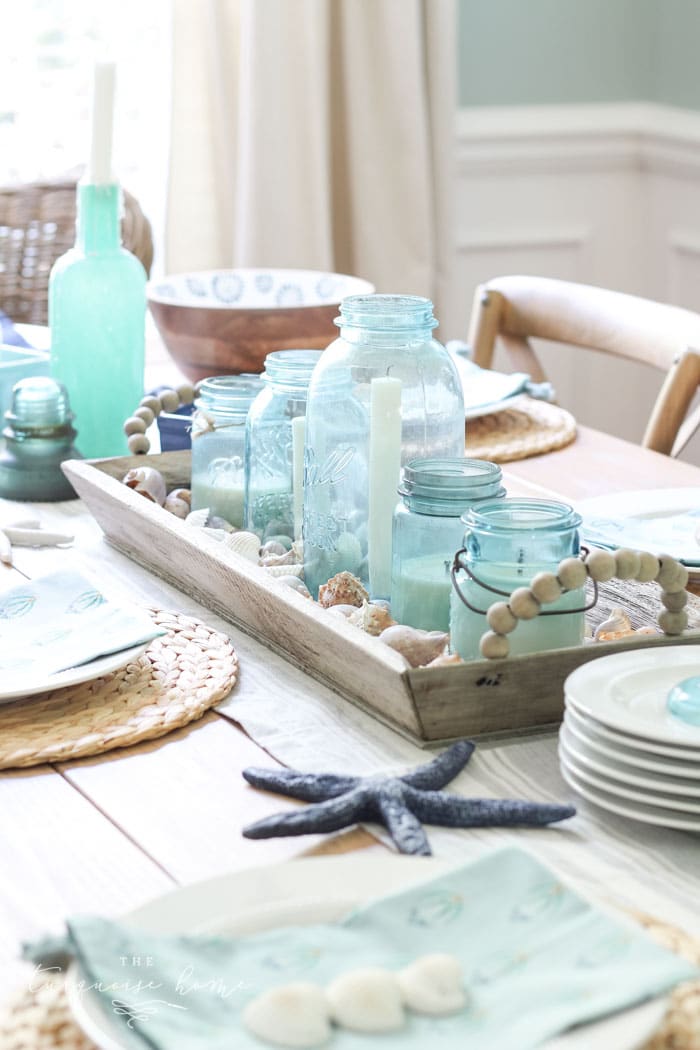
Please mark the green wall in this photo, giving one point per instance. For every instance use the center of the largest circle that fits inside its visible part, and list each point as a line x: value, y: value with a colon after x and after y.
x: 532, y: 52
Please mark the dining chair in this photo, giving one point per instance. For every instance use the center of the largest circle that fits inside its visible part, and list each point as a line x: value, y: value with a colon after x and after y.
x: 515, y: 309
x: 37, y: 225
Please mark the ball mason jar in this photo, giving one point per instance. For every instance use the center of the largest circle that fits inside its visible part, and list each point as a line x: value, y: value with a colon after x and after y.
x: 274, y: 445
x: 218, y: 444
x: 507, y: 542
x: 384, y: 392
x: 428, y: 530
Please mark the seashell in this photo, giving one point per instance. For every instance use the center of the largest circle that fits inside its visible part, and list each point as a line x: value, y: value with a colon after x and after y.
x: 343, y: 610
x: 282, y: 539
x: 148, y: 482
x: 272, y: 547
x: 371, y: 618
x: 617, y: 625
x: 214, y: 521
x: 416, y: 646
x: 296, y: 584
x: 433, y: 984
x: 342, y: 589
x: 298, y: 551
x: 294, y: 1015
x: 445, y: 660
x: 284, y: 570
x: 366, y: 1000
x: 286, y: 558
x: 178, y: 502
x: 649, y: 629
x: 198, y: 517
x: 245, y: 544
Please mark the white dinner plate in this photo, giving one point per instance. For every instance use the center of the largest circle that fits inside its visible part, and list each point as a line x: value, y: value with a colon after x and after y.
x: 636, y: 760
x: 319, y: 889
x: 19, y: 688
x: 616, y: 786
x: 665, y: 818
x: 650, y: 519
x: 628, y: 691
x: 629, y: 740
x: 592, y: 760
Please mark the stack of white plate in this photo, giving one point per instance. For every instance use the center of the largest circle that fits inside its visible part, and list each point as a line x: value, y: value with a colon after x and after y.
x: 619, y: 745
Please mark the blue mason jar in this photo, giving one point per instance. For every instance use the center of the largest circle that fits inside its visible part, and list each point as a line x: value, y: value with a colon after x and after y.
x: 384, y: 392
x: 274, y: 450
x: 507, y: 542
x: 218, y: 444
x: 428, y: 530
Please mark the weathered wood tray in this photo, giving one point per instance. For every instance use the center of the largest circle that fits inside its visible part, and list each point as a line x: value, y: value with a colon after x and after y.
x: 430, y: 704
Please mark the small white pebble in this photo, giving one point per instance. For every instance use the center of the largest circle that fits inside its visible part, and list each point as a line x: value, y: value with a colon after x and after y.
x: 572, y: 573
x: 433, y: 985
x: 293, y: 1015
x: 366, y: 1000
x: 523, y: 604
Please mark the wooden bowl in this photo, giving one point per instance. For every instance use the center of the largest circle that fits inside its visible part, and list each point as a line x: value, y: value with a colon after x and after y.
x: 219, y: 322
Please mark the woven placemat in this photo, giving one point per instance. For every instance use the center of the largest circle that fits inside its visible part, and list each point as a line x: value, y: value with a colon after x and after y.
x: 526, y: 428
x: 180, y: 676
x: 39, y: 1018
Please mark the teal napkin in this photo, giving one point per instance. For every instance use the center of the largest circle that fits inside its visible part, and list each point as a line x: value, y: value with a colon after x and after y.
x: 62, y: 620
x: 675, y: 533
x: 485, y: 390
x: 537, y: 959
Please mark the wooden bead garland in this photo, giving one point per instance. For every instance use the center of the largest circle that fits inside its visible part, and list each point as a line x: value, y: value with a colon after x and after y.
x: 572, y: 573
x: 149, y: 409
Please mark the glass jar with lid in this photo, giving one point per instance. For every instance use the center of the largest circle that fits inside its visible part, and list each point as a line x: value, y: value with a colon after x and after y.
x: 275, y: 445
x: 428, y: 530
x: 506, y: 543
x: 384, y: 392
x: 218, y: 444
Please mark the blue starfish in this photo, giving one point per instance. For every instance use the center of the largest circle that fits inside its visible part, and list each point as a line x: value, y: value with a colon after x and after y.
x: 400, y: 803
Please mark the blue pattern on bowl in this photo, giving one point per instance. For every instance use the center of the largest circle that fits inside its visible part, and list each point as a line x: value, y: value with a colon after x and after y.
x: 264, y: 282
x: 196, y: 285
x: 289, y: 295
x: 227, y: 287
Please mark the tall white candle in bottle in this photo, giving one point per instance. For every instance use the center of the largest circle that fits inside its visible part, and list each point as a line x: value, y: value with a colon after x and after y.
x: 384, y: 476
x: 100, y: 168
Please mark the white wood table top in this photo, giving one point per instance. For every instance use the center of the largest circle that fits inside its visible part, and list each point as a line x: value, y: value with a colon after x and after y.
x: 106, y: 834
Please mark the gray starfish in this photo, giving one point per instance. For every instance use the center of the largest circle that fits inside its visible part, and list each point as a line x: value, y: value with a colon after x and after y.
x: 400, y: 803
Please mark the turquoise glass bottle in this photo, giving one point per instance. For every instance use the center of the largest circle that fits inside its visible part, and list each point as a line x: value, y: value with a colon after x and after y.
x: 97, y: 311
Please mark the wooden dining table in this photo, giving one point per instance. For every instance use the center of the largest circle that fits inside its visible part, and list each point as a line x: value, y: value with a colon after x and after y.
x: 105, y: 834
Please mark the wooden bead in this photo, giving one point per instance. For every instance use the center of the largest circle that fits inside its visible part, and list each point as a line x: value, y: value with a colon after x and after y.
x: 572, y: 573
x: 600, y: 565
x: 138, y: 443
x: 673, y: 622
x: 169, y: 401
x: 675, y: 601
x: 185, y: 391
x: 648, y: 567
x: 627, y: 564
x: 672, y: 576
x: 494, y: 646
x: 500, y: 619
x: 546, y: 587
x: 134, y: 425
x: 144, y: 413
x: 523, y: 604
x: 151, y: 402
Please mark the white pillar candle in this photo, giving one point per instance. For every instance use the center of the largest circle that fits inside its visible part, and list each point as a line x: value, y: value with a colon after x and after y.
x: 100, y: 169
x: 298, y: 435
x: 384, y: 476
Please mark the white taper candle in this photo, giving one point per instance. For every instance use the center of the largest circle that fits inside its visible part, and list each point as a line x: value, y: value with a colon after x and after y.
x: 298, y: 436
x: 384, y: 476
x: 100, y: 169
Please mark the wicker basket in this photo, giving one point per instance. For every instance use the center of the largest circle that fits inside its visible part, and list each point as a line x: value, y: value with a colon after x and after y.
x: 37, y: 225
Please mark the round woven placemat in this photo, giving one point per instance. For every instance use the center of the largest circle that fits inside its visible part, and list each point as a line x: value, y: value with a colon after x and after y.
x: 180, y: 676
x: 39, y: 1018
x: 526, y: 428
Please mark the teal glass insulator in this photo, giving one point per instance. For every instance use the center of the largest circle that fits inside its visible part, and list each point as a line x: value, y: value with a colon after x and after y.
x: 274, y: 451
x: 39, y: 436
x: 683, y: 701
x: 218, y: 444
x: 507, y: 542
x: 428, y: 530
x: 385, y: 392
x: 97, y: 310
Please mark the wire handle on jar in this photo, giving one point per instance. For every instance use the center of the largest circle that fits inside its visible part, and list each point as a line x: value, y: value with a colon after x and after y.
x: 525, y: 603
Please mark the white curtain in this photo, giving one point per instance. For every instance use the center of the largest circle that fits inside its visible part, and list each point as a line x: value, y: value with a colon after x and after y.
x: 318, y: 134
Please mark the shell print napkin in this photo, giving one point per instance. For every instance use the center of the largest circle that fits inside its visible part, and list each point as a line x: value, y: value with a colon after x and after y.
x: 537, y: 959
x: 62, y: 620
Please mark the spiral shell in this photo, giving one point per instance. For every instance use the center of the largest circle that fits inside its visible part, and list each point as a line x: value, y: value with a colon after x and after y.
x: 178, y: 502
x: 617, y: 625
x: 371, y: 618
x: 416, y: 646
x: 148, y: 482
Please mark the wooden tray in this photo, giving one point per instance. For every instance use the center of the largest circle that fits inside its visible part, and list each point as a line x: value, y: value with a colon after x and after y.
x: 429, y: 704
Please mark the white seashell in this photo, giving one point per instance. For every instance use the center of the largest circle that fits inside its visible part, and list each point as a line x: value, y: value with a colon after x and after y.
x: 148, y: 482
x: 178, y: 502
x: 294, y: 1015
x: 298, y: 551
x: 344, y: 610
x: 286, y: 558
x: 433, y: 984
x: 198, y: 517
x: 371, y: 618
x: 617, y: 625
x: 284, y: 570
x: 366, y: 1000
x: 272, y: 547
x: 245, y: 544
x: 416, y: 646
